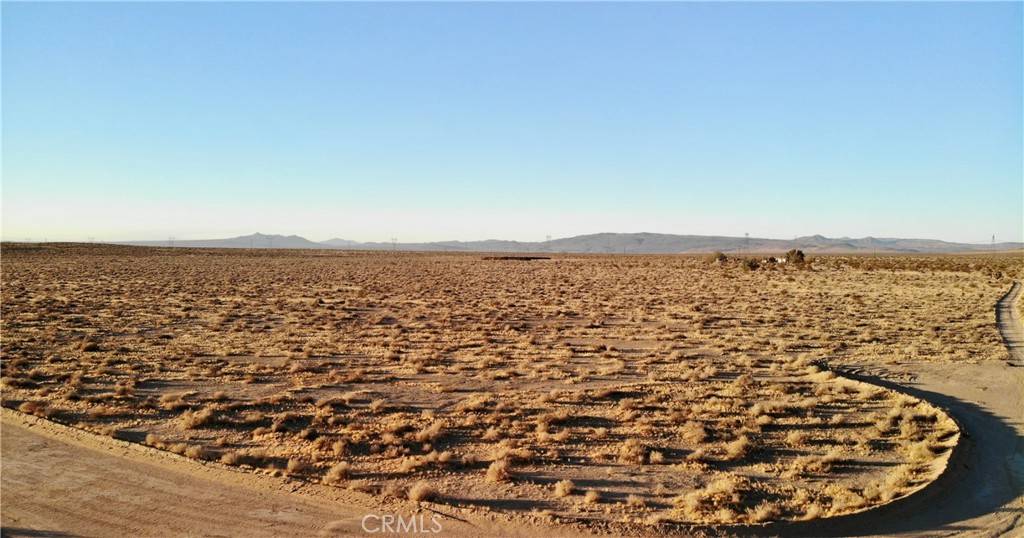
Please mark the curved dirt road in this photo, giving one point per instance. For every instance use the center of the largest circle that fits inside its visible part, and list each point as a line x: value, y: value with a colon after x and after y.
x: 982, y: 494
x: 60, y: 481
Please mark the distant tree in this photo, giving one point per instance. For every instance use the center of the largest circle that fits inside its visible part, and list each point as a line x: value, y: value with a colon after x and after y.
x: 795, y: 256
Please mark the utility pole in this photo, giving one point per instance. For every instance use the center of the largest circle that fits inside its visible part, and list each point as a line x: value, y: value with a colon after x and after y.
x: 993, y: 241
x: 170, y: 241
x: 394, y: 244
x: 746, y: 242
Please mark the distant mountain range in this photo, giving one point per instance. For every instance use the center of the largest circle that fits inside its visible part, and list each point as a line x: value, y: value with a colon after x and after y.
x: 610, y: 243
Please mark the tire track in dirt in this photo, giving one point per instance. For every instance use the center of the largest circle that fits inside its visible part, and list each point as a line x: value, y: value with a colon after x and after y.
x: 1009, y: 323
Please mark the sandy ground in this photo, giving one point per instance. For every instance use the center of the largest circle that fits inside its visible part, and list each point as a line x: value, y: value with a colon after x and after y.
x: 61, y: 481
x: 57, y: 481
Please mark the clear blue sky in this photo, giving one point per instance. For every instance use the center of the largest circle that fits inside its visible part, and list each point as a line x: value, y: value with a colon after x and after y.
x: 472, y: 121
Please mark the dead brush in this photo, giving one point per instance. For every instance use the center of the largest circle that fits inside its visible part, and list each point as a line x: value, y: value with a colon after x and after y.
x: 296, y: 466
x: 564, y: 488
x: 507, y: 450
x: 718, y: 501
x: 430, y: 433
x: 797, y: 438
x: 634, y: 452
x: 763, y: 512
x: 175, y: 401
x: 477, y: 402
x: 499, y: 471
x: 190, y: 420
x: 694, y: 432
x: 154, y: 440
x: 737, y: 449
x: 39, y: 409
x: 197, y: 452
x: 421, y: 491
x: 338, y: 473
x: 812, y: 464
x: 892, y: 486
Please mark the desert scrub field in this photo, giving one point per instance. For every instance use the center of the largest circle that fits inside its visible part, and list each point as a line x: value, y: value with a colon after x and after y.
x: 590, y: 388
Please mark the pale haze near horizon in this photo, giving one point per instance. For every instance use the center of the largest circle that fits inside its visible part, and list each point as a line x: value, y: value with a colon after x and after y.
x: 511, y: 121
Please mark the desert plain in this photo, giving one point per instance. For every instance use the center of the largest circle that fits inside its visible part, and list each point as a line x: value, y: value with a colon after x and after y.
x: 170, y: 391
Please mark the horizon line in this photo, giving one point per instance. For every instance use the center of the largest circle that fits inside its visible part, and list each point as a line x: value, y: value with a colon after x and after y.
x: 90, y: 239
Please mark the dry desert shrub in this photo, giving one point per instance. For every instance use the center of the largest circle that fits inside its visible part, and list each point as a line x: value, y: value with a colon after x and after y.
x: 196, y: 419
x: 718, y: 501
x: 564, y: 488
x: 338, y: 472
x: 421, y: 491
x: 738, y: 448
x: 197, y: 452
x: 694, y: 433
x: 39, y: 409
x: 499, y: 471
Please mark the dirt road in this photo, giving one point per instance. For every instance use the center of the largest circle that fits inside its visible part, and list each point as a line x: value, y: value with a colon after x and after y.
x: 1010, y: 325
x: 982, y: 494
x: 59, y: 481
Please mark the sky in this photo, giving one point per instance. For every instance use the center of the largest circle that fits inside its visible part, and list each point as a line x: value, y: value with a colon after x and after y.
x: 132, y: 121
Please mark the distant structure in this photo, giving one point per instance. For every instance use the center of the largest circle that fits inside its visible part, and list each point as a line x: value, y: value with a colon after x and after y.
x: 170, y: 241
x: 394, y: 243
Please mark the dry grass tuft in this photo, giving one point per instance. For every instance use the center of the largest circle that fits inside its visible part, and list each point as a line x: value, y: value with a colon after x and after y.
x: 421, y: 491
x: 338, y: 472
x: 564, y: 488
x: 499, y: 471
